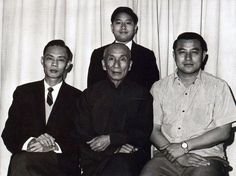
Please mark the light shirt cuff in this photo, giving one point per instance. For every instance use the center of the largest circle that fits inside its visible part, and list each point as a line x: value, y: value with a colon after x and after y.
x: 26, y: 143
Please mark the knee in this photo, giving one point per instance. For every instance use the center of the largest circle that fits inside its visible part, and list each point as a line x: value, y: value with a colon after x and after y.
x: 150, y: 169
x: 20, y: 159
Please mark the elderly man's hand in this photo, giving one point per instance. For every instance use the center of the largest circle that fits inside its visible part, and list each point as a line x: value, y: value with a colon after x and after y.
x: 99, y: 143
x: 193, y: 160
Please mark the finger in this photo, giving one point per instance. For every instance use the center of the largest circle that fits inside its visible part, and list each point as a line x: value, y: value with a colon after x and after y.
x: 91, y: 141
x: 35, y: 147
x: 50, y: 138
x: 198, y: 161
x: 47, y: 139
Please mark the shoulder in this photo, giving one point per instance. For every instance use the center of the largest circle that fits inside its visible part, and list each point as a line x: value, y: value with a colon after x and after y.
x: 72, y: 90
x: 141, y: 48
x: 213, y: 81
x: 30, y: 85
x: 161, y: 86
x: 100, y: 49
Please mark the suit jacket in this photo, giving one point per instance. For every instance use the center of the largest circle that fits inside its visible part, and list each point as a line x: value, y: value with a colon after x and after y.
x: 144, y: 70
x: 27, y: 119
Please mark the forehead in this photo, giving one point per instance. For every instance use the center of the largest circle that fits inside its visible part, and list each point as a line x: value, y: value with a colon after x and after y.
x: 123, y: 16
x: 188, y: 43
x: 117, y: 51
x: 56, y: 50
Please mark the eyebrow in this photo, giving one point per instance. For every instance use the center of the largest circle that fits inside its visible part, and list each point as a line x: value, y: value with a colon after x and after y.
x: 191, y: 49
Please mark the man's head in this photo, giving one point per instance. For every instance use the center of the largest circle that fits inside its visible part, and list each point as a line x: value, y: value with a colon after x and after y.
x: 124, y: 24
x: 56, y: 60
x: 189, y: 53
x: 117, y: 62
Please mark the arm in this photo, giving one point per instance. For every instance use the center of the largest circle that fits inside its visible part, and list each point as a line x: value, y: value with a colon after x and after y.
x: 152, y: 70
x: 12, y: 134
x: 95, y: 71
x: 210, y: 138
x: 158, y: 139
x: 139, y: 128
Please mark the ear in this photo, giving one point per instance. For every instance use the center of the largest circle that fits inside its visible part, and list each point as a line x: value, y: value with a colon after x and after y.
x: 204, y: 54
x: 112, y: 28
x: 136, y: 29
x: 104, y: 65
x: 130, y: 64
x: 68, y: 65
x: 173, y: 54
x: 42, y: 60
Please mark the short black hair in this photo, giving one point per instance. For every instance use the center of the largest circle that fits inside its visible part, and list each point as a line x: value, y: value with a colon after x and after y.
x: 59, y: 43
x: 127, y: 10
x: 190, y: 36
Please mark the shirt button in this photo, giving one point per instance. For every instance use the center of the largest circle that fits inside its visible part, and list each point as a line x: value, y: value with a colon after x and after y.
x: 179, y: 128
x: 183, y: 111
x: 186, y: 93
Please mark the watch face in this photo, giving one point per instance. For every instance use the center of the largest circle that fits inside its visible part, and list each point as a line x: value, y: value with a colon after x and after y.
x: 184, y: 145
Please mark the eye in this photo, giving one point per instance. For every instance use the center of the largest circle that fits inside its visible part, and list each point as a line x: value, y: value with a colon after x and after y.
x: 110, y: 58
x: 195, y: 52
x: 117, y: 22
x: 123, y: 59
x: 129, y: 22
x: 61, y: 60
x: 181, y: 52
x: 48, y: 58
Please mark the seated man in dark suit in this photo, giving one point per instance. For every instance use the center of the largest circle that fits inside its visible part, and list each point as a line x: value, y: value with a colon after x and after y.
x: 115, y: 120
x: 38, y: 129
x: 124, y: 27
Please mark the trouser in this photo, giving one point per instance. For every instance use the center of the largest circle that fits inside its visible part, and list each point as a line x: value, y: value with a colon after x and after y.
x: 161, y: 166
x: 35, y: 164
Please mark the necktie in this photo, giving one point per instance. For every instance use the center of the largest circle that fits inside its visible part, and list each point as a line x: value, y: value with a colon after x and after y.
x: 49, y: 97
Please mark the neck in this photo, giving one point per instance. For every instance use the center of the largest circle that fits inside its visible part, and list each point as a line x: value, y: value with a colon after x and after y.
x: 52, y: 82
x: 187, y: 79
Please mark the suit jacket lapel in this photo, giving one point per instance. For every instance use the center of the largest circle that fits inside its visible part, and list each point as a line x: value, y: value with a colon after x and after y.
x: 57, y: 109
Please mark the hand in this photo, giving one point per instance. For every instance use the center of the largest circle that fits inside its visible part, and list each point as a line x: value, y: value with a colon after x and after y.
x: 99, y: 143
x: 173, y: 151
x: 46, y: 140
x: 191, y: 159
x: 126, y: 148
x: 38, y: 147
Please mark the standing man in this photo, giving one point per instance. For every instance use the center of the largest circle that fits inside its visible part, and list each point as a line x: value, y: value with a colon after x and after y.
x: 115, y: 120
x: 40, y: 122
x: 193, y: 112
x: 124, y: 27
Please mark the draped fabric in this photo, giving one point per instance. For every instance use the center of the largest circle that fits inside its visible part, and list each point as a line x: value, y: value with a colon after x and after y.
x: 27, y: 25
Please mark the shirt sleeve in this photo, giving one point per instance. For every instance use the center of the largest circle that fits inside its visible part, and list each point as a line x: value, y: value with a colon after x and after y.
x: 157, y: 107
x: 224, y: 109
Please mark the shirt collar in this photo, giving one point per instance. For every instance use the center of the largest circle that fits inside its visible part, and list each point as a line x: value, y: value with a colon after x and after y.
x: 199, y: 76
x: 129, y: 44
x: 55, y: 91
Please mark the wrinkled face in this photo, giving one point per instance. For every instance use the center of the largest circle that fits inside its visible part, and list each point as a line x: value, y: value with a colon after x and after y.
x: 123, y: 28
x: 188, y: 57
x: 55, y: 62
x: 117, y: 64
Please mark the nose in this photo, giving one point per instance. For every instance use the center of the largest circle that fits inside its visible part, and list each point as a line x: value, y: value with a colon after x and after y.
x: 188, y: 56
x: 116, y: 64
x: 54, y: 63
x: 123, y: 26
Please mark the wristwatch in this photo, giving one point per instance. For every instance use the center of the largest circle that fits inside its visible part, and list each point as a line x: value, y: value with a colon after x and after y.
x: 184, y: 146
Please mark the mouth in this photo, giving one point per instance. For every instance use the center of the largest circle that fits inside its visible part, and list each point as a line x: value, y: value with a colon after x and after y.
x: 53, y: 71
x: 188, y: 65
